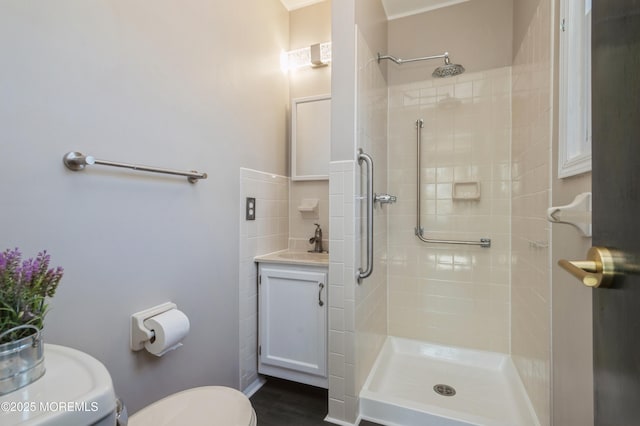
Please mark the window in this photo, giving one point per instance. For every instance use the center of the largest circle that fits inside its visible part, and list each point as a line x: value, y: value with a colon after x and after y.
x: 574, y: 155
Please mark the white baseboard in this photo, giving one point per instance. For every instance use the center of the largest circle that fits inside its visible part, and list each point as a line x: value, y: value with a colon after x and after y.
x: 341, y: 422
x: 254, y: 387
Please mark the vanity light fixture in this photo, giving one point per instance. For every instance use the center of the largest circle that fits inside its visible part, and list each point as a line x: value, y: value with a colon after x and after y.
x: 315, y: 56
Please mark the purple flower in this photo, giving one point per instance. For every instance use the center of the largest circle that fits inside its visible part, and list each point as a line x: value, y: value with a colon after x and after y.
x: 24, y: 285
x: 27, y: 270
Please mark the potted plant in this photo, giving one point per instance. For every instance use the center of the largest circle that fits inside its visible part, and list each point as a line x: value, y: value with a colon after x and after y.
x: 24, y: 287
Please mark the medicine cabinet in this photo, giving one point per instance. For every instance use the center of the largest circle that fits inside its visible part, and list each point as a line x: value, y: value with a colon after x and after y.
x: 310, y: 137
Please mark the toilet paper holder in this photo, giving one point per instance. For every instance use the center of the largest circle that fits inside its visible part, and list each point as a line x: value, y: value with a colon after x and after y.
x: 140, y: 334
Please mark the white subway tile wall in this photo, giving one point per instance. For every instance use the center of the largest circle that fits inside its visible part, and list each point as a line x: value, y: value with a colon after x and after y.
x: 451, y: 294
x: 341, y: 282
x: 531, y: 195
x: 269, y: 232
x: 301, y: 227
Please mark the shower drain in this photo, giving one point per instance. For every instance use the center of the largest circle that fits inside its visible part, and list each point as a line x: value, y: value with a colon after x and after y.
x: 444, y: 390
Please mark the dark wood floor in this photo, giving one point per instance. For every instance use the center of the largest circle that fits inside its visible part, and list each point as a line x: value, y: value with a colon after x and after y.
x: 283, y: 403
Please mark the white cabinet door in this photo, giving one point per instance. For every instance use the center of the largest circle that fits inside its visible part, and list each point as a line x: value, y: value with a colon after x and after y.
x: 293, y: 322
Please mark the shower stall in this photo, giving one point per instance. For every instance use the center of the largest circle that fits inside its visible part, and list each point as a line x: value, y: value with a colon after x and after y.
x: 427, y: 338
x: 448, y: 162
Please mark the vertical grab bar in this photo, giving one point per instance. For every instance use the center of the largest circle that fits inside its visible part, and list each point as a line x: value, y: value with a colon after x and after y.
x: 362, y: 274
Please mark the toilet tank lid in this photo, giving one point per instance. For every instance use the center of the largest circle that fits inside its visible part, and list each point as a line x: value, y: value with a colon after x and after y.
x: 76, y: 389
x: 215, y: 405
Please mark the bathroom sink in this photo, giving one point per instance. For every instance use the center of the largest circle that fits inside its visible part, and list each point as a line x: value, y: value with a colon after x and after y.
x: 318, y: 257
x: 297, y: 257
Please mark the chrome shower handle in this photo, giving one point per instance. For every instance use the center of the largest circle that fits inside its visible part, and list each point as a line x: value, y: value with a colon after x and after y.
x: 385, y: 198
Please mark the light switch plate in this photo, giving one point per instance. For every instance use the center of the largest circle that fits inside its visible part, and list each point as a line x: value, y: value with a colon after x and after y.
x: 251, y: 209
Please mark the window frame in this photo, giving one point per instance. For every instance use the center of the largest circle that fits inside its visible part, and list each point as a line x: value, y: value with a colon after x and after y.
x: 574, y: 145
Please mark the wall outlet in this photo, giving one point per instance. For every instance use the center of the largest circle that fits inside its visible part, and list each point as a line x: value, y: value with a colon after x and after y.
x: 251, y: 209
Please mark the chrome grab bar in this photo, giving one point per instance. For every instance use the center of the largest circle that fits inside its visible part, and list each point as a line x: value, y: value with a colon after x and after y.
x: 419, y: 230
x: 77, y: 161
x: 362, y: 274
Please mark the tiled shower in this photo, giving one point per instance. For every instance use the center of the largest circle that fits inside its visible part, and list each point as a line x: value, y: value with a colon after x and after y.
x: 457, y: 295
x: 492, y: 127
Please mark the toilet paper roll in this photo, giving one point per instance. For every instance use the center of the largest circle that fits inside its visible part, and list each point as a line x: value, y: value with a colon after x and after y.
x: 169, y: 328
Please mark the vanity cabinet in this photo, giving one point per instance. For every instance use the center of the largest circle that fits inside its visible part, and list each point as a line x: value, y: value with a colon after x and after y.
x: 292, y: 324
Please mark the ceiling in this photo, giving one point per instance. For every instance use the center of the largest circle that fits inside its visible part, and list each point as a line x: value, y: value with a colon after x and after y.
x: 393, y: 8
x: 400, y: 8
x: 297, y: 4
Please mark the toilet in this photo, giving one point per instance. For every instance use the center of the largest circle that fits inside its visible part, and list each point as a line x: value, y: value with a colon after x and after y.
x: 77, y: 390
x: 216, y: 405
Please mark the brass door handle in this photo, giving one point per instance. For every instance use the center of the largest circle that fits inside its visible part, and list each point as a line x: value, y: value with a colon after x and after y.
x: 597, y: 271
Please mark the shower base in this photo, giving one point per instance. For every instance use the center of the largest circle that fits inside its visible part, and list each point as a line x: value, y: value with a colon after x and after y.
x: 400, y: 388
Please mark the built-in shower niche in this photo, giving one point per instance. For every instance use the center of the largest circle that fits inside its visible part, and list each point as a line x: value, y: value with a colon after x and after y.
x: 465, y: 190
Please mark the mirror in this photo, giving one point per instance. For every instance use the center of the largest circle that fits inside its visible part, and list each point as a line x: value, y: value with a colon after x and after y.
x: 310, y: 137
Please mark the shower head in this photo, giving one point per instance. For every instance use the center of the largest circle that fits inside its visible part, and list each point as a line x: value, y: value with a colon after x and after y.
x: 448, y: 69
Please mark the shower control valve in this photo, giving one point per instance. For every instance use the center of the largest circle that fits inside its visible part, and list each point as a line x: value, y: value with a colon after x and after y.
x: 385, y: 198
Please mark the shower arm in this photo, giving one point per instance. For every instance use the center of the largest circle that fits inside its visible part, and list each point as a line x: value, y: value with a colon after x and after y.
x: 419, y: 230
x: 399, y: 61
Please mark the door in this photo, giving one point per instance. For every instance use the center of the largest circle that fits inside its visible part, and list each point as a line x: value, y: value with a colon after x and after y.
x: 616, y: 207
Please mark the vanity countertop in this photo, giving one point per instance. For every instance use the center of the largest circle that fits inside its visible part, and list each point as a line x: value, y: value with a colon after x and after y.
x: 295, y: 258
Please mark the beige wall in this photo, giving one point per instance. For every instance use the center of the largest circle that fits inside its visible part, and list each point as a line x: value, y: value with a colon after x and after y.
x: 373, y: 26
x: 572, y: 342
x: 309, y: 25
x: 523, y: 14
x: 477, y: 34
x: 343, y: 80
x: 370, y: 18
x: 188, y: 85
x: 531, y: 194
x: 572, y: 339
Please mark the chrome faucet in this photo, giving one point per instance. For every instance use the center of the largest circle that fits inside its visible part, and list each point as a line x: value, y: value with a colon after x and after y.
x: 316, y: 240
